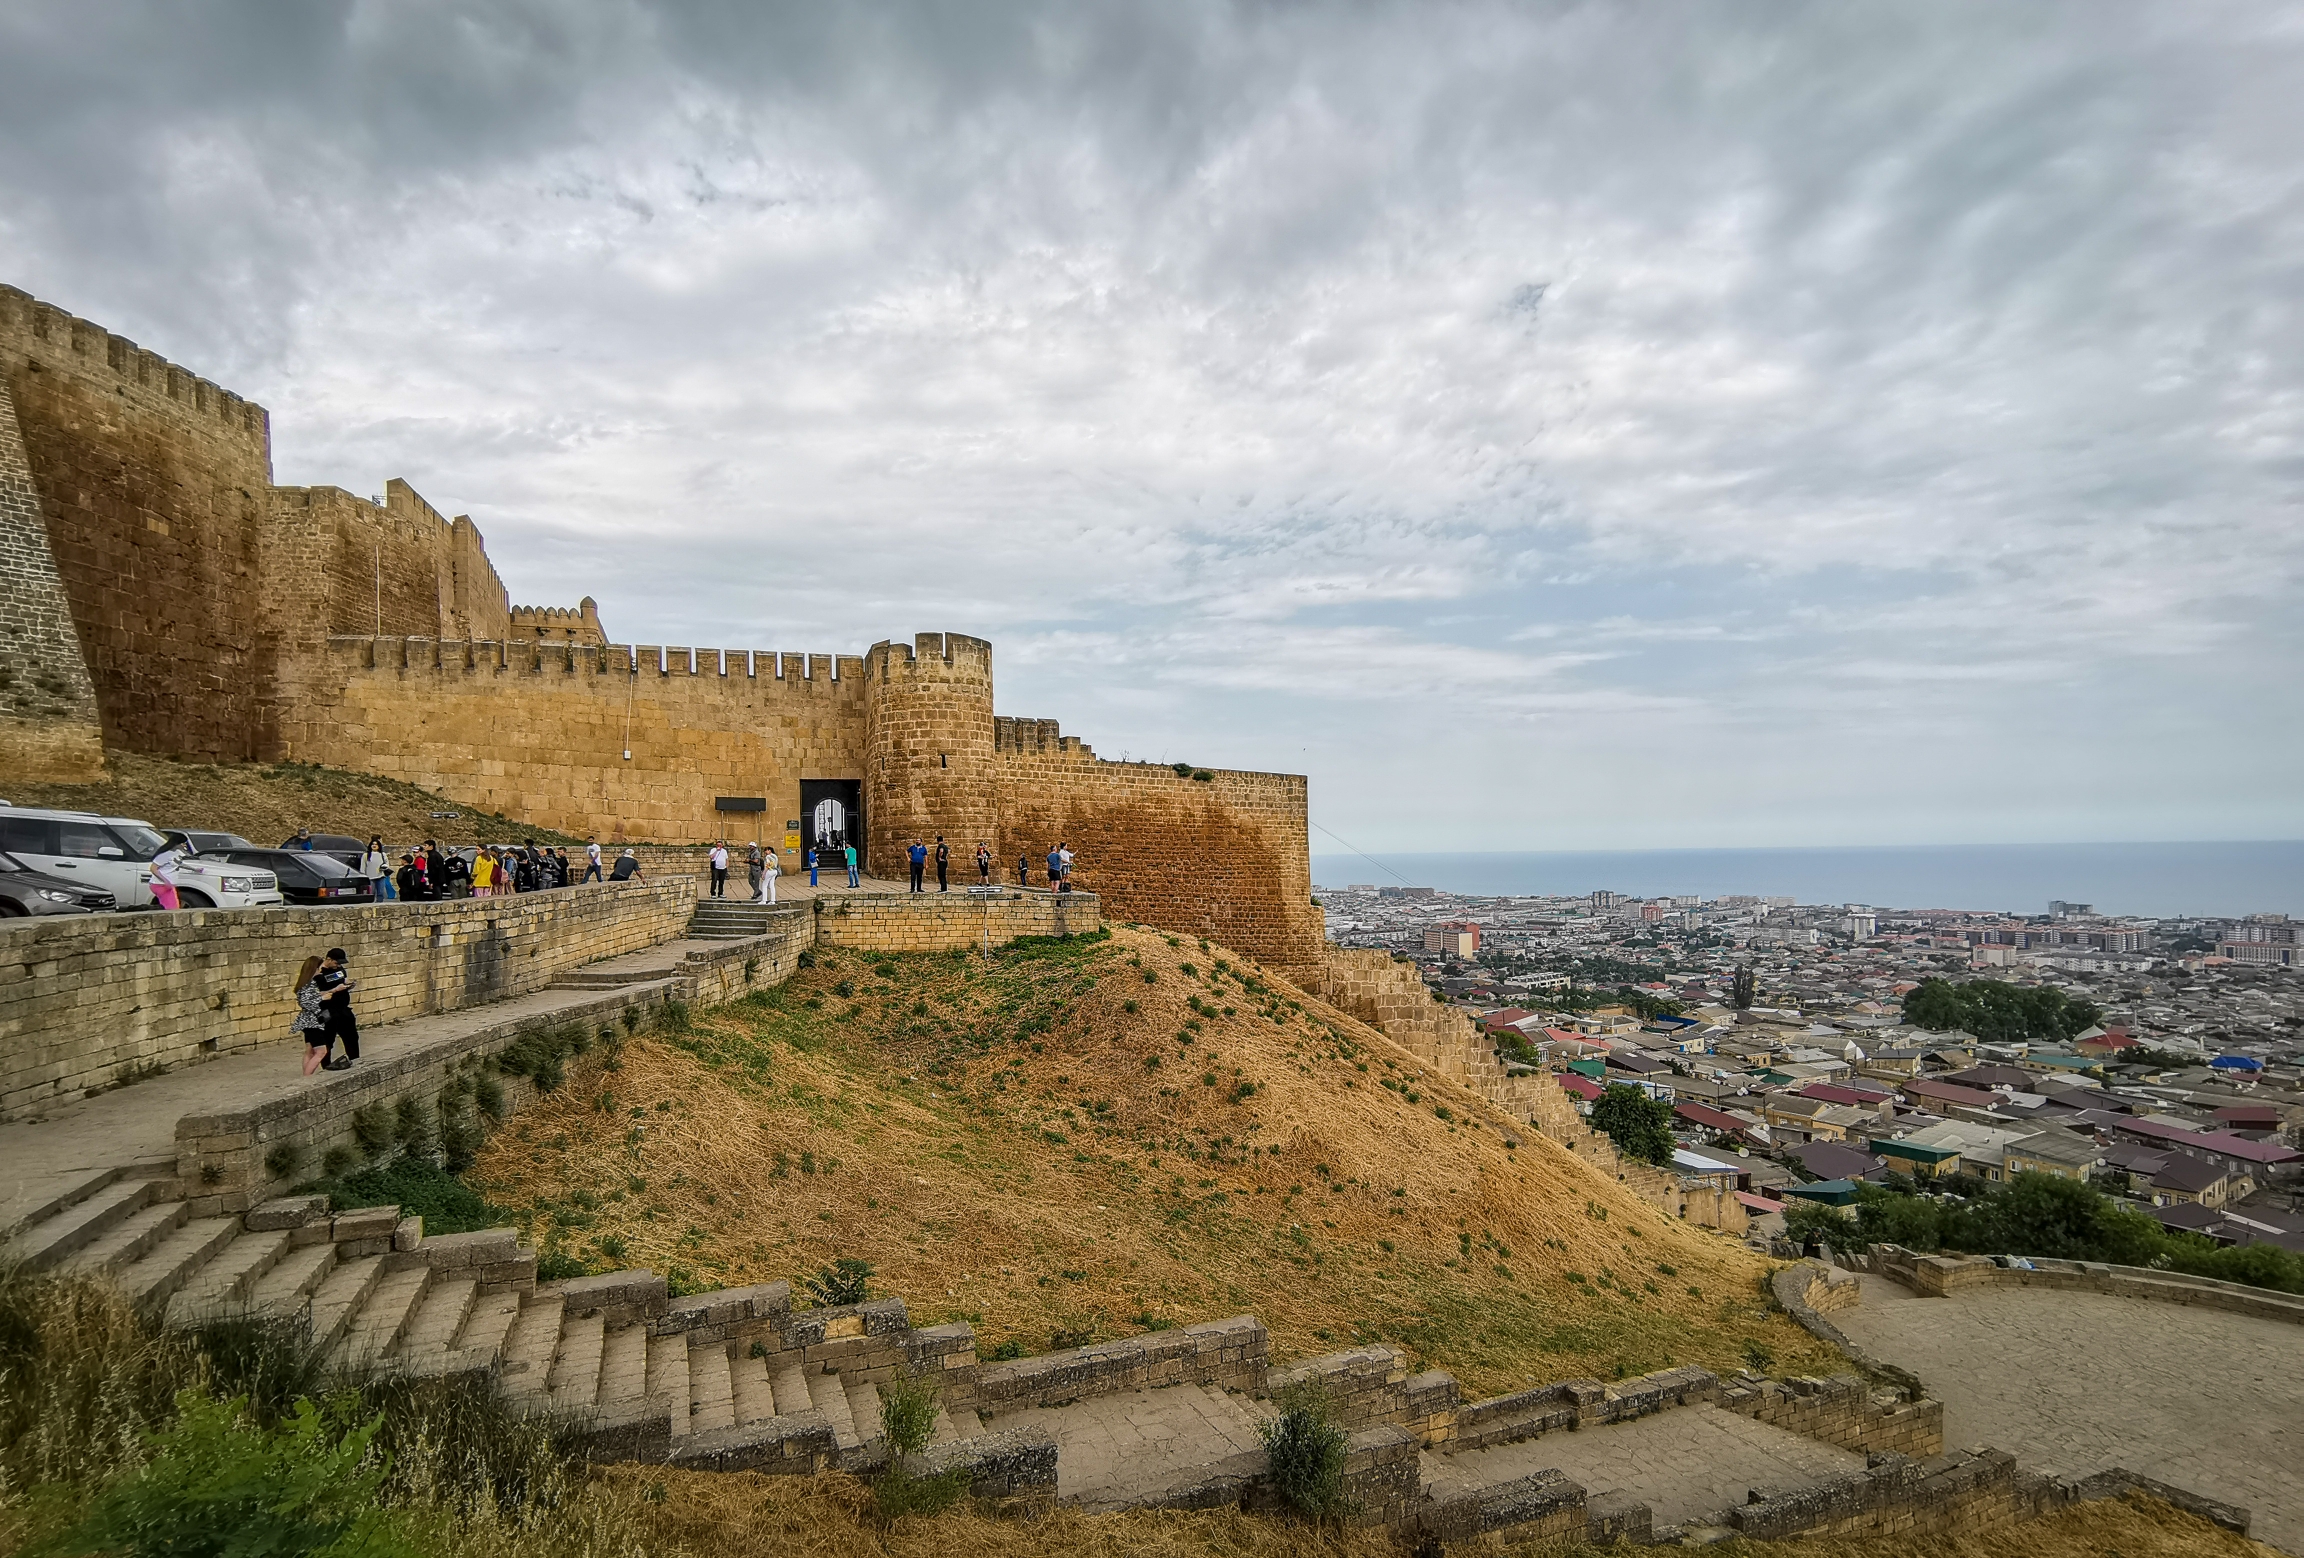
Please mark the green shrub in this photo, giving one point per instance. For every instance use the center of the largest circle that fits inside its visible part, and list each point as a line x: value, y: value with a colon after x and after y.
x: 412, y: 1128
x: 672, y: 1016
x: 219, y: 1485
x: 419, y: 1189
x: 372, y: 1128
x: 844, y: 1281
x: 283, y: 1160
x: 337, y: 1160
x: 1305, y: 1449
x: 488, y: 1094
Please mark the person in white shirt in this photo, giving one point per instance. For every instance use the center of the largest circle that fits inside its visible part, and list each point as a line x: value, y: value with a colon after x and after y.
x: 720, y: 870
x: 592, y: 860
x: 377, y: 867
x: 164, y: 876
x: 770, y: 871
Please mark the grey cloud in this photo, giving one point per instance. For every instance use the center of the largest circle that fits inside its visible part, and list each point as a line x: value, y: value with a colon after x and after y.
x: 1930, y: 355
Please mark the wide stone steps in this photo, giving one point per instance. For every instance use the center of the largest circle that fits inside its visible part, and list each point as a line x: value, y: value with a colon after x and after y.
x: 529, y: 1347
x: 667, y: 1389
x: 130, y: 1241
x: 380, y: 1323
x: 790, y: 1379
x: 725, y: 919
x: 155, y: 1278
x: 574, y: 1383
x: 288, y: 1286
x: 223, y: 1285
x: 754, y: 1394
x: 829, y: 1397
x: 55, y: 1239
x: 340, y: 1296
x: 711, y: 1390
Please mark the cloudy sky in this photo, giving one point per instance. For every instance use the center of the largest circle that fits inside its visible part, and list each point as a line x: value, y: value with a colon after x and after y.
x: 1547, y: 426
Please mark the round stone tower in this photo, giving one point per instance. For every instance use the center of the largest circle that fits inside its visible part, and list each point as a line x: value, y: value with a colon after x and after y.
x: 928, y: 751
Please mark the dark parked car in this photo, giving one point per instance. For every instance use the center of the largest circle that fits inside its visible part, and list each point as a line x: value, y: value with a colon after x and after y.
x: 24, y: 891
x: 336, y: 846
x: 306, y: 876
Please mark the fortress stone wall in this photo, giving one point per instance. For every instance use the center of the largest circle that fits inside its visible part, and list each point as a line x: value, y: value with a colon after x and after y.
x: 213, y: 615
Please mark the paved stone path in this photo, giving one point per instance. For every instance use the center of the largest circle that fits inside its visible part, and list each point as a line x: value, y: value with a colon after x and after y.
x: 69, y: 1139
x: 2075, y: 1382
x: 1687, y: 1464
x: 1112, y: 1448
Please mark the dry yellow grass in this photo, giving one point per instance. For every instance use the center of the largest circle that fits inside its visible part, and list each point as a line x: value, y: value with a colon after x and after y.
x: 1011, y: 1144
x: 753, y: 1516
x: 265, y: 803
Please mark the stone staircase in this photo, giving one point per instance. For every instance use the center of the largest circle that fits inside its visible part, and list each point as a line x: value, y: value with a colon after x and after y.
x: 727, y: 1379
x: 731, y: 919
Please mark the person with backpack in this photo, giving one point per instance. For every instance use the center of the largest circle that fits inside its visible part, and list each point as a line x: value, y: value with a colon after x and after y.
x: 753, y: 867
x: 1064, y: 864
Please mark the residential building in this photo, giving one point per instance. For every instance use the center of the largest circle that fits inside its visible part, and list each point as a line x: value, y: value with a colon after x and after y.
x: 2060, y: 1153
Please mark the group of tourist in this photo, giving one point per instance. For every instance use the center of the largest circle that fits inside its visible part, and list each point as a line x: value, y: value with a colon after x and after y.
x: 493, y: 870
x: 919, y: 854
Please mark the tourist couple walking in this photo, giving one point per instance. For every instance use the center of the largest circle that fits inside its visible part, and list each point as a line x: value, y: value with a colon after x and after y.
x: 324, y: 1011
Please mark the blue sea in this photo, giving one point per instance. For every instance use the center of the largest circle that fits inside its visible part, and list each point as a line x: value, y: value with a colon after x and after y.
x: 2159, y: 880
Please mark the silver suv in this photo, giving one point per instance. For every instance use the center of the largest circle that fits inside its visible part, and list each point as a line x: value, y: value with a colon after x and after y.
x: 114, y: 854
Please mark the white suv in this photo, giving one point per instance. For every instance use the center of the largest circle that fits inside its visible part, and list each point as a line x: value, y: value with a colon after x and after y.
x: 115, y: 854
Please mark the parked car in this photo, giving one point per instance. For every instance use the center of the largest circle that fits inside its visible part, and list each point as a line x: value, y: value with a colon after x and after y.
x: 305, y: 876
x: 24, y: 891
x: 114, y: 855
x: 335, y: 845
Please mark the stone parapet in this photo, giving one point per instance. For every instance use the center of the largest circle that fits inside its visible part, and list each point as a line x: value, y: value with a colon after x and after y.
x: 1233, y: 1353
x: 229, y: 1159
x: 1940, y: 1276
x: 939, y: 922
x: 89, y: 1001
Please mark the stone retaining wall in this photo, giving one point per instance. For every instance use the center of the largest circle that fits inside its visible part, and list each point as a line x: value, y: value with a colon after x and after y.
x: 230, y: 1159
x: 1230, y: 1353
x: 89, y: 1001
x: 938, y: 922
x: 1939, y: 1276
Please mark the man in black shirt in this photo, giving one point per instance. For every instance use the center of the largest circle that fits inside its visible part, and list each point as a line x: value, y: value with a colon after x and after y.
x: 943, y: 865
x: 336, y: 987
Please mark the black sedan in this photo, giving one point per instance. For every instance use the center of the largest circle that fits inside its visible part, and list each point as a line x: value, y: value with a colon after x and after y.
x: 307, y: 876
x: 24, y: 891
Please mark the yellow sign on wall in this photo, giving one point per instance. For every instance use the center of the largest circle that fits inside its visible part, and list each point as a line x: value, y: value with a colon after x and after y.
x: 792, y: 841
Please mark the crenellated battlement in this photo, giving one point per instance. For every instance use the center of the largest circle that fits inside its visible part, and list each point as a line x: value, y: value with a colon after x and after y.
x: 747, y: 668
x: 930, y: 654
x: 1012, y: 736
x: 54, y: 339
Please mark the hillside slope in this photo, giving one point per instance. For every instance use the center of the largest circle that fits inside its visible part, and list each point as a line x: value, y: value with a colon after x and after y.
x: 266, y: 802
x: 1084, y: 1139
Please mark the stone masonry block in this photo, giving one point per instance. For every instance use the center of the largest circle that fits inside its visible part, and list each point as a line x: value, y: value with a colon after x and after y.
x: 286, y: 1212
x: 368, y: 1222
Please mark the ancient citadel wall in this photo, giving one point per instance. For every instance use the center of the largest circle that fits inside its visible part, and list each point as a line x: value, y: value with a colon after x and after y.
x: 539, y: 731
x: 1227, y: 858
x: 927, y: 748
x: 152, y: 484
x: 47, y: 702
x: 201, y: 594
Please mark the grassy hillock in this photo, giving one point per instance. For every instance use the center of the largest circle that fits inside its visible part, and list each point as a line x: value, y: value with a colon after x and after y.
x: 1083, y: 1139
x: 267, y: 802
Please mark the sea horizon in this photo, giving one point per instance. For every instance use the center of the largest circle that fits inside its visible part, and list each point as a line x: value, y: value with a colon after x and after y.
x: 2159, y: 880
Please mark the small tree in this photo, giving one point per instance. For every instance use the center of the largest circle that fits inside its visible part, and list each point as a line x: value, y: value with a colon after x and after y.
x: 1744, y: 990
x: 1304, y: 1448
x: 1640, y: 1126
x: 843, y: 1282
